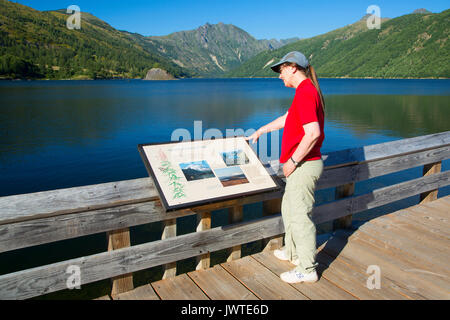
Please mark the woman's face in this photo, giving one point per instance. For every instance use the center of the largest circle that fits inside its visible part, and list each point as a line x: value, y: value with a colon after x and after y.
x: 286, y: 74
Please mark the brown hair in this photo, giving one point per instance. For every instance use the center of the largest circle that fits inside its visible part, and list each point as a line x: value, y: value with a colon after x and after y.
x: 310, y: 73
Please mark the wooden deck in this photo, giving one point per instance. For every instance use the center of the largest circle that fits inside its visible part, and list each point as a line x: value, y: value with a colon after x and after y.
x: 409, y: 246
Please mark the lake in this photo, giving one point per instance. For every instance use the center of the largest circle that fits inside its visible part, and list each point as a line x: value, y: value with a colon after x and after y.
x: 60, y: 134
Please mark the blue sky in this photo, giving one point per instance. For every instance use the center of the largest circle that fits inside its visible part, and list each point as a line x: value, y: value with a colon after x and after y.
x: 263, y: 19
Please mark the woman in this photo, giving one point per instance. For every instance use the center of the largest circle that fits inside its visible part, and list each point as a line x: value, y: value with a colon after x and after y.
x: 300, y: 153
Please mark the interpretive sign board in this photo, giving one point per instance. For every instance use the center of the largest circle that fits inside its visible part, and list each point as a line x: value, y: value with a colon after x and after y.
x: 189, y: 174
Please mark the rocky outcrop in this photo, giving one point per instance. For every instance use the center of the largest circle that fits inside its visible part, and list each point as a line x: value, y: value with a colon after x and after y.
x: 421, y: 10
x: 158, y: 74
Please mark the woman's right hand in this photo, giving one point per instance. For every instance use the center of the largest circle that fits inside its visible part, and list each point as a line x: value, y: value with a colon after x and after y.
x: 254, y: 137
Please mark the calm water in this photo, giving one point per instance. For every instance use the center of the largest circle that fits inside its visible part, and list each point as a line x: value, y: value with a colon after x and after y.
x: 72, y: 133
x: 60, y: 134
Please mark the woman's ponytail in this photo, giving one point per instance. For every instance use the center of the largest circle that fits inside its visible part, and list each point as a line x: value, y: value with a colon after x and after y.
x: 311, y: 74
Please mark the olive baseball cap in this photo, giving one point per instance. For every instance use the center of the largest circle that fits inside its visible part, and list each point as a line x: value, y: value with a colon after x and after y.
x: 294, y: 56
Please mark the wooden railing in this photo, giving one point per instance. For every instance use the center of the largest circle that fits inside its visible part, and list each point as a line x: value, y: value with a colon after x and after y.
x: 45, y: 217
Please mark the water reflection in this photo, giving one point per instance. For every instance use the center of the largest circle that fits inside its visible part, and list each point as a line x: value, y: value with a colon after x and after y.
x: 395, y: 115
x: 57, y: 134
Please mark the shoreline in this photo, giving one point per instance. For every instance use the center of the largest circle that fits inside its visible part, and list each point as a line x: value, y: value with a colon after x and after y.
x: 215, y: 78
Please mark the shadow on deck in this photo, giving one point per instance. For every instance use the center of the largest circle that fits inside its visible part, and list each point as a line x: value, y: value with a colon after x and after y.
x: 409, y: 248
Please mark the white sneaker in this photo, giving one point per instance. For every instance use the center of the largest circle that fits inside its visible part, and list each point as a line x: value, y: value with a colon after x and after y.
x: 281, y: 254
x: 297, y: 277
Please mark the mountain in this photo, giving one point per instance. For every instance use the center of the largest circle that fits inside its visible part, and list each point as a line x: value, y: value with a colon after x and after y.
x: 411, y: 46
x: 421, y: 10
x: 37, y: 44
x: 209, y: 50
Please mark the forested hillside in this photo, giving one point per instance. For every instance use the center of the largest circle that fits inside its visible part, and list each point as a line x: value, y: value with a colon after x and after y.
x: 36, y: 44
x: 411, y: 46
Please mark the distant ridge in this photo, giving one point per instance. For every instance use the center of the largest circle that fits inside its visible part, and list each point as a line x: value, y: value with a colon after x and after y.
x: 211, y: 49
x: 411, y: 46
x: 38, y: 45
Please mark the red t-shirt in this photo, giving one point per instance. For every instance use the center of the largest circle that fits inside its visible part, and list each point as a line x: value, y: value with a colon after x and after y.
x: 305, y: 108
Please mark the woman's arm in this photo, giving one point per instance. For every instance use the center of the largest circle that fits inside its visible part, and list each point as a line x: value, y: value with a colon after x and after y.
x: 312, y: 135
x: 274, y: 125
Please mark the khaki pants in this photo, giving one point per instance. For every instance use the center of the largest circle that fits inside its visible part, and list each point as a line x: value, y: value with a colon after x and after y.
x: 296, y: 210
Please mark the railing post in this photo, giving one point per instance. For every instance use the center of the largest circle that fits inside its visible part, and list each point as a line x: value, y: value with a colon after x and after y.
x: 170, y: 230
x: 203, y: 223
x: 430, y: 169
x: 118, y: 239
x: 235, y: 215
x: 272, y: 207
x: 344, y: 191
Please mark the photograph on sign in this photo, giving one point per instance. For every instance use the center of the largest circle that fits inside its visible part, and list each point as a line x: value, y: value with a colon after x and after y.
x: 194, y: 173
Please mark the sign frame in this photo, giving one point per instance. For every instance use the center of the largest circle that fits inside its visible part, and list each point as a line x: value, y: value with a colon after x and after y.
x: 151, y: 169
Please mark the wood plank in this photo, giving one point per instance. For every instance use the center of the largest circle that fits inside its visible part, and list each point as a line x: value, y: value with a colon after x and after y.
x: 404, y: 146
x: 203, y: 223
x: 406, y: 220
x: 321, y: 290
x: 102, y: 220
x: 435, y: 215
x: 119, y: 239
x: 424, y: 219
x: 272, y: 207
x: 58, y: 228
x: 351, y: 277
x: 368, y: 170
x: 235, y: 214
x: 85, y: 198
x: 40, y: 231
x: 104, y: 298
x: 407, y: 242
x: 414, y: 284
x: 444, y: 200
x: 430, y: 169
x: 344, y: 191
x: 379, y: 197
x: 421, y: 224
x: 439, y: 208
x: 51, y: 203
x: 170, y: 231
x: 261, y: 281
x: 140, y: 293
x: 56, y: 202
x: 50, y: 278
x: 354, y: 171
x: 218, y: 284
x: 340, y: 249
x: 412, y: 262
x: 420, y: 235
x: 46, y: 279
x: 388, y: 149
x: 178, y: 288
x: 406, y: 250
x: 400, y: 191
x: 427, y: 217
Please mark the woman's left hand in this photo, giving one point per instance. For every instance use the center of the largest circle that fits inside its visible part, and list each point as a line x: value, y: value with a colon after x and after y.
x: 288, y: 168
